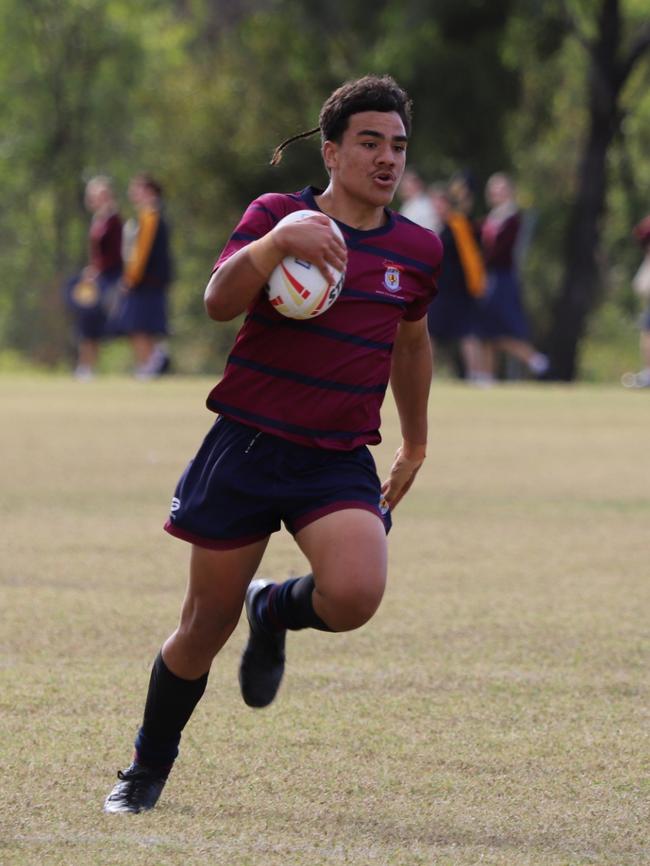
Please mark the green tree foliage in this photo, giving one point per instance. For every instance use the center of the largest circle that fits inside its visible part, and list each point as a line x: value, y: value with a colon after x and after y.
x: 200, y: 91
x: 577, y: 137
x: 64, y: 71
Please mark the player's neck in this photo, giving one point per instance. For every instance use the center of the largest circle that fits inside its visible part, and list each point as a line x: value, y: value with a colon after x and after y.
x: 351, y: 212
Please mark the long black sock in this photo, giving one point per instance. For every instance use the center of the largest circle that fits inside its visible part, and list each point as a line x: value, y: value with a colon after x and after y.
x: 289, y: 605
x: 170, y: 703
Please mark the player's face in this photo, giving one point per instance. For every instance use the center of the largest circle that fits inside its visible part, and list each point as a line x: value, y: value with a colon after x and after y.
x: 368, y: 163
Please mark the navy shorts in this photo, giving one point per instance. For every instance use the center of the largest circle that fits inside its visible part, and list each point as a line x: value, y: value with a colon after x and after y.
x: 244, y: 484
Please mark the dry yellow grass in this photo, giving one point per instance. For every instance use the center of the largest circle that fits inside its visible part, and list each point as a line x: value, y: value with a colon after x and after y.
x: 495, y: 711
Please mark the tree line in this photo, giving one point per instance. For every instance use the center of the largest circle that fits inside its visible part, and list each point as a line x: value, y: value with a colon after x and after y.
x: 198, y: 92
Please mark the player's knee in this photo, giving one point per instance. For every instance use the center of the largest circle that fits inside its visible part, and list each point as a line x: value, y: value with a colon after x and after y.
x: 352, y: 605
x: 363, y: 608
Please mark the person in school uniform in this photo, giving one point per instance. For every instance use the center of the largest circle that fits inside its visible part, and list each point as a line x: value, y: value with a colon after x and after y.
x: 452, y: 316
x: 298, y: 406
x: 142, y: 314
x: 417, y: 204
x: 502, y: 323
x: 641, y: 286
x: 90, y: 295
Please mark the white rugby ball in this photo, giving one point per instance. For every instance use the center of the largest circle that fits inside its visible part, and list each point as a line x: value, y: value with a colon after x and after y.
x: 297, y: 288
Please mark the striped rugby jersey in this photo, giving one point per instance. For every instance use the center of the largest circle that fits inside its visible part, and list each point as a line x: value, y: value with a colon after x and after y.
x: 321, y: 382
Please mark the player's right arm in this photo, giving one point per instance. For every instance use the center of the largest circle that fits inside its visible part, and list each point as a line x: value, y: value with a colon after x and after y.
x: 236, y: 282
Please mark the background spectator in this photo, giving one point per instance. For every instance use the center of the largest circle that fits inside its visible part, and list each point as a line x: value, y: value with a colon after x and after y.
x: 452, y: 315
x: 416, y: 202
x: 142, y: 311
x: 641, y: 285
x: 92, y: 293
x: 502, y: 322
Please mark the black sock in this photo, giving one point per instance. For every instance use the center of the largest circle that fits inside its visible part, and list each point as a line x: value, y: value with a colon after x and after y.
x: 289, y: 605
x: 170, y: 703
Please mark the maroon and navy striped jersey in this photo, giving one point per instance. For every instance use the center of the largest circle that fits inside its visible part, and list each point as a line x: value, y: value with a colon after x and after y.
x: 321, y: 382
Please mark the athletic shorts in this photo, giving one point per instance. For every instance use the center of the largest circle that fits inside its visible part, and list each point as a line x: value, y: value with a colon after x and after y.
x: 244, y: 484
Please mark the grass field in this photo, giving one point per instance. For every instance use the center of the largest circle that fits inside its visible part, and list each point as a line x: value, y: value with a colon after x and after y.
x: 495, y: 711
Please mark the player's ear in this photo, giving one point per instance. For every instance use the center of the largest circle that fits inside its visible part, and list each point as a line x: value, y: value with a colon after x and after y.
x: 330, y: 154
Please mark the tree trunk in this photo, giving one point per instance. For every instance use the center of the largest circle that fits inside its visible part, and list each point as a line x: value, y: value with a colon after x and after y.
x: 581, y: 287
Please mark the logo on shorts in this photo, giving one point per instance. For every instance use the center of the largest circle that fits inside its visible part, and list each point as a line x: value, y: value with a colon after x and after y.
x: 176, y: 504
x: 391, y: 277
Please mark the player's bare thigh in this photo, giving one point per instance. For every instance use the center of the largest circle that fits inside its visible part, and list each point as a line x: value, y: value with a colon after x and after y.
x: 213, y: 603
x: 348, y: 556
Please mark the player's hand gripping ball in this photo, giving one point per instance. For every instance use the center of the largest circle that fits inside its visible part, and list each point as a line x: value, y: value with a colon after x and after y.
x: 297, y: 288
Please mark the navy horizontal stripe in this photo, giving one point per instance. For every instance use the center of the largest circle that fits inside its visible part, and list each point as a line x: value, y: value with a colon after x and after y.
x: 313, y: 328
x: 391, y: 255
x: 375, y: 298
x: 256, y: 205
x: 254, y: 418
x: 243, y: 236
x: 314, y: 381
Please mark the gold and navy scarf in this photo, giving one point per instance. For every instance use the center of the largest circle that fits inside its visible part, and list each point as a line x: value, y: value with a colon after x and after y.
x: 469, y: 254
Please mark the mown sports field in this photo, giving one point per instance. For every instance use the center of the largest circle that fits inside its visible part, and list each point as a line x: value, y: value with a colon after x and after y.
x: 495, y: 710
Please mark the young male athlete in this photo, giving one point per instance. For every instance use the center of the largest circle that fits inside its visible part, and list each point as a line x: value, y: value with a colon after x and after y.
x: 298, y: 405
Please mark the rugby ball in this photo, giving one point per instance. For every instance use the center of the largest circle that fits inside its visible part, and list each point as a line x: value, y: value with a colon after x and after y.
x: 297, y: 288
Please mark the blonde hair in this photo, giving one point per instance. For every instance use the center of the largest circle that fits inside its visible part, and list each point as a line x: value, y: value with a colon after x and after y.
x: 100, y: 181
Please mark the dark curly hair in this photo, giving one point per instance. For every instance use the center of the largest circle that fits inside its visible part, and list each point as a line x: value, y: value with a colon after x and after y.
x: 370, y: 93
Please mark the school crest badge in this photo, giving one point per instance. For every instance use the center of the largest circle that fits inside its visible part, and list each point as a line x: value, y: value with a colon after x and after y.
x: 391, y: 277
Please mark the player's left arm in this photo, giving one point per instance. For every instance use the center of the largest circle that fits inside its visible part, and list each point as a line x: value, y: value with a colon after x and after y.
x: 410, y: 379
